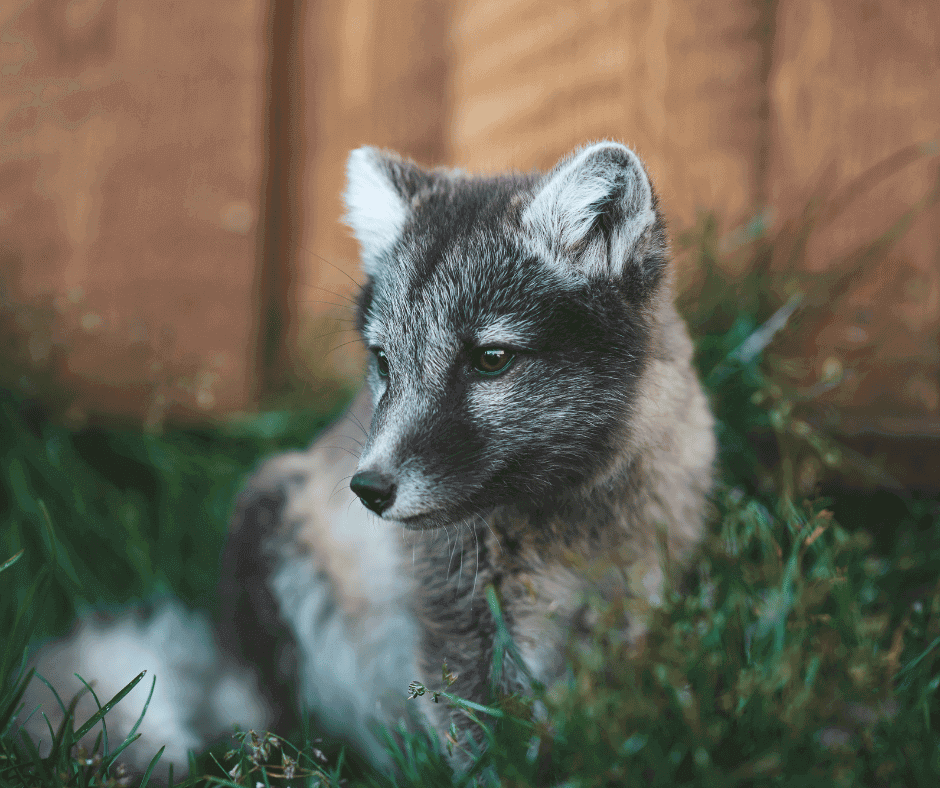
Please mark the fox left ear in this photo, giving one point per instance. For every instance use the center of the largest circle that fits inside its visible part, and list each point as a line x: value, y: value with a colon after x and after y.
x: 380, y: 186
x: 596, y: 210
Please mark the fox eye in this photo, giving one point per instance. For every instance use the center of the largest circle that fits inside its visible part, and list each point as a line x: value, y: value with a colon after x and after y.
x: 491, y: 360
x: 381, y: 362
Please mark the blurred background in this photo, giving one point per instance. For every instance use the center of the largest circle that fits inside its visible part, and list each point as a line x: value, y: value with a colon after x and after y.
x: 175, y: 304
x: 170, y: 179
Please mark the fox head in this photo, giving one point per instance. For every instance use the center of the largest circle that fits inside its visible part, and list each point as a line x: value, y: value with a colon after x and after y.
x: 508, y: 320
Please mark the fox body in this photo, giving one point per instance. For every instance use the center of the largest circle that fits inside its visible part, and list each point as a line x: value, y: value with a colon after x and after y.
x: 533, y: 411
x: 531, y: 414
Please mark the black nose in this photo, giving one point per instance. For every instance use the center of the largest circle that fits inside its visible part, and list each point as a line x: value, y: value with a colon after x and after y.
x: 375, y: 490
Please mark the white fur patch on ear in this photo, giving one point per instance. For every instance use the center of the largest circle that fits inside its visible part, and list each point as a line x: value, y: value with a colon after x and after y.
x: 605, y: 180
x: 375, y: 210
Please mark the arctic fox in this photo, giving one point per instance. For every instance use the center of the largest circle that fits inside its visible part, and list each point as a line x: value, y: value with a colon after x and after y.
x: 531, y: 412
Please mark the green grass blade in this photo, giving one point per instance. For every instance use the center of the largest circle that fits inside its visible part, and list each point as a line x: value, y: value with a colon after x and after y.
x: 153, y: 764
x: 132, y: 735
x: 37, y: 761
x: 104, y: 722
x: 21, y: 633
x: 95, y: 718
x: 8, y: 709
x: 10, y: 561
x: 53, y: 691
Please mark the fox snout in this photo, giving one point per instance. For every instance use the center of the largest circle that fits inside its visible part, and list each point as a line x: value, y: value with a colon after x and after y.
x: 376, y: 490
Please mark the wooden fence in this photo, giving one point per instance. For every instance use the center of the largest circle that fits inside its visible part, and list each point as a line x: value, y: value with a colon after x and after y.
x: 170, y: 171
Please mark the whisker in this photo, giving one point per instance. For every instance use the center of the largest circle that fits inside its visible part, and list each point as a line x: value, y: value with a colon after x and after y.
x: 351, y: 342
x: 328, y: 303
x: 450, y: 560
x: 490, y: 529
x: 355, y: 418
x: 350, y: 321
x: 460, y: 573
x: 343, y: 448
x: 336, y: 489
x: 349, y: 301
x: 354, y: 440
x: 332, y: 334
x: 323, y: 259
x: 476, y: 573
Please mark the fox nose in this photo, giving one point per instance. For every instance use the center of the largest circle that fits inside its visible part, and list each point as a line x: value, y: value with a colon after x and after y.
x: 375, y: 490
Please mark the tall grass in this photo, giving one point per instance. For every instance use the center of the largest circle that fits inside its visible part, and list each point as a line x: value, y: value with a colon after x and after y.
x: 101, y: 517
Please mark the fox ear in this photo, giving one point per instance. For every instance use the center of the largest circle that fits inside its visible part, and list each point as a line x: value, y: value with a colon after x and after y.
x: 379, y: 188
x: 596, y: 209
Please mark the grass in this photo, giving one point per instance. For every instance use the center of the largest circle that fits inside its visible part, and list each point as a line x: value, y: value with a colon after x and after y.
x: 99, y: 517
x: 804, y: 648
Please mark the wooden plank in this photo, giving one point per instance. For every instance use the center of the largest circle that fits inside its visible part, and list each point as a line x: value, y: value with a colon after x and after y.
x: 851, y: 86
x: 376, y: 75
x: 681, y: 82
x: 130, y: 182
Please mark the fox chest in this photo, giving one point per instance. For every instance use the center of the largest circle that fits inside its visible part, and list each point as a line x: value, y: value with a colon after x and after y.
x: 543, y: 611
x: 556, y: 604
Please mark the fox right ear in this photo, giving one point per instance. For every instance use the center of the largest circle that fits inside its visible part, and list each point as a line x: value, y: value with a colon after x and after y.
x: 379, y: 188
x: 596, y: 209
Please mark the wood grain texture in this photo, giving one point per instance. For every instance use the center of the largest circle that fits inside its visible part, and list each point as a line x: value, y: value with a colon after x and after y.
x: 851, y: 85
x: 133, y: 147
x: 130, y: 180
x: 376, y: 74
x: 679, y: 82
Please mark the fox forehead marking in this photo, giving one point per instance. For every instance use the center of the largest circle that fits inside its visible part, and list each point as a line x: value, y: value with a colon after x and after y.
x: 472, y: 296
x: 509, y: 331
x: 501, y: 331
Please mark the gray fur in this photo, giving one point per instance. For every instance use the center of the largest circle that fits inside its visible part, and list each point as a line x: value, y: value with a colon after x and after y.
x: 313, y: 598
x: 559, y: 478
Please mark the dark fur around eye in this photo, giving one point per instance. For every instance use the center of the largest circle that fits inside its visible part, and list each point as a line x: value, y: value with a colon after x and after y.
x: 381, y: 362
x: 491, y: 360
